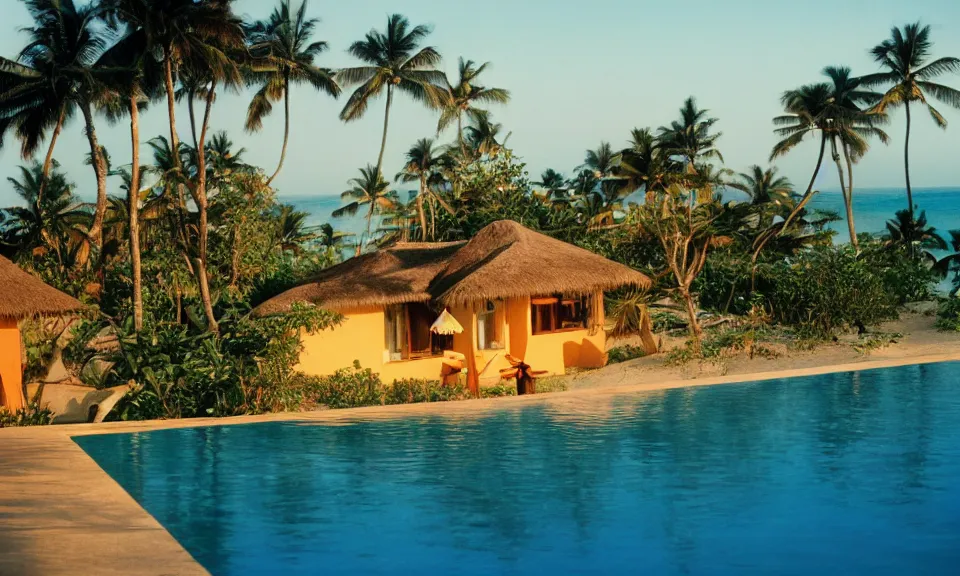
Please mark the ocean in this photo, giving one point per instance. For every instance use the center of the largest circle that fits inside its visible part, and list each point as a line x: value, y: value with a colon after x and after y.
x: 873, y: 207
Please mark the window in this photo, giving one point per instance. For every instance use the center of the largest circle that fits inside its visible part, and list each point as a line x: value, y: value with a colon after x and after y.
x: 559, y: 313
x: 490, y: 323
x: 408, y: 334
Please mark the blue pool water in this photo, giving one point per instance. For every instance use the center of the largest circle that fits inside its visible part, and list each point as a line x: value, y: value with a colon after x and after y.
x: 853, y: 473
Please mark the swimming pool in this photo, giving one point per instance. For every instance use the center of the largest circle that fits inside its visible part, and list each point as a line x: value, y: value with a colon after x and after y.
x: 854, y: 473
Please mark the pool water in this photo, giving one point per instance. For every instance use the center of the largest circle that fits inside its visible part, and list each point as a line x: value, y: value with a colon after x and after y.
x: 855, y: 473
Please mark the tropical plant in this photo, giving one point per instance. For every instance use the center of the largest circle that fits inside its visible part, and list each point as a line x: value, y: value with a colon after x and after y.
x: 423, y: 166
x: 455, y: 101
x: 771, y: 194
x: 394, y: 62
x: 554, y: 184
x: 909, y: 76
x: 600, y: 161
x: 914, y: 234
x: 369, y: 190
x: 284, y: 51
x: 482, y: 136
x: 849, y: 129
x: 691, y: 138
x: 52, y: 224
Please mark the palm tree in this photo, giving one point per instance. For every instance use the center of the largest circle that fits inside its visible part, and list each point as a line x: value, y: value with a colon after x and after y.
x: 370, y: 190
x: 461, y: 99
x: 600, y: 161
x: 282, y: 46
x: 50, y: 223
x: 806, y: 109
x: 644, y: 164
x: 912, y: 234
x: 850, y: 127
x: 50, y: 79
x: 482, y: 137
x: 765, y: 189
x: 292, y: 230
x: 691, y: 137
x: 423, y: 164
x: 910, y: 77
x: 554, y: 183
x: 393, y: 62
x: 764, y: 186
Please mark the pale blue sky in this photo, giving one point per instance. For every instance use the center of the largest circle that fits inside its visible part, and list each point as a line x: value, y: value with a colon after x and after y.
x: 580, y: 72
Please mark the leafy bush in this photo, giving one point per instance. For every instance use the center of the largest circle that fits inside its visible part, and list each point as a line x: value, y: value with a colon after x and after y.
x: 502, y: 389
x: 32, y: 415
x: 949, y: 315
x: 825, y: 290
x: 357, y: 387
x: 907, y: 278
x: 622, y: 354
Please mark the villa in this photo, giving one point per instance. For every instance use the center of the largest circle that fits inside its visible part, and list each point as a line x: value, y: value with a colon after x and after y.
x: 22, y: 296
x: 508, y: 291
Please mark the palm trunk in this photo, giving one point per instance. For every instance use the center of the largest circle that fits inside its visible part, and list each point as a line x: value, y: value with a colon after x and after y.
x: 807, y: 196
x: 133, y: 199
x: 835, y: 153
x: 175, y: 143
x: 100, y: 170
x: 48, y: 162
x: 420, y: 211
x: 463, y: 146
x: 193, y: 117
x: 850, y: 222
x: 696, y: 332
x: 201, y: 199
x: 286, y: 128
x: 906, y: 160
x: 386, y: 123
x: 369, y: 223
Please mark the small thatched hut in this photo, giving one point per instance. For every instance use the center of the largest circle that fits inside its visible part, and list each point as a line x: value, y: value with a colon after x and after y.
x: 22, y: 296
x: 513, y: 290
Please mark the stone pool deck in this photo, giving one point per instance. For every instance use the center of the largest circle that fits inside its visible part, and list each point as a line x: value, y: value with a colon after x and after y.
x: 61, y: 514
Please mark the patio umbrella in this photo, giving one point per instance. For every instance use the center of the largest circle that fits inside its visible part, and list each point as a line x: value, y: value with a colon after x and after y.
x: 446, y: 325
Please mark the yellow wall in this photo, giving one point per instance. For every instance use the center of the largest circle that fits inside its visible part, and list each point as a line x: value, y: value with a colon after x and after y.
x: 10, y: 369
x: 361, y: 337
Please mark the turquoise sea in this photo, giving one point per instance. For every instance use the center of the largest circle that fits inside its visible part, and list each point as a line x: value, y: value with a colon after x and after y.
x: 872, y: 208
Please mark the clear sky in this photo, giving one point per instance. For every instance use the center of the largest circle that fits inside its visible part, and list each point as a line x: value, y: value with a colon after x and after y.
x: 579, y: 72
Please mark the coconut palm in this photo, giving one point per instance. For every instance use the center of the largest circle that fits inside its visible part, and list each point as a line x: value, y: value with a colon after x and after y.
x: 764, y: 186
x: 423, y: 165
x: 769, y: 193
x: 691, y: 137
x: 49, y: 223
x: 50, y: 80
x: 285, y: 53
x: 600, y: 161
x: 554, y: 184
x: 463, y: 98
x: 644, y: 164
x: 369, y: 190
x: 806, y: 109
x: 914, y: 235
x: 850, y: 127
x: 909, y: 77
x: 394, y: 62
x: 292, y: 230
x: 482, y: 137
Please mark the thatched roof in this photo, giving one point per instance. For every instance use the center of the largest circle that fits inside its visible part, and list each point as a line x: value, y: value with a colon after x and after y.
x: 25, y: 296
x: 506, y: 260
x: 397, y: 275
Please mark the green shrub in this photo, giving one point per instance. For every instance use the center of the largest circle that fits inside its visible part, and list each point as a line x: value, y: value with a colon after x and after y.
x: 907, y: 278
x: 948, y: 318
x: 416, y: 391
x: 550, y: 384
x: 622, y: 354
x: 825, y: 290
x: 32, y: 415
x: 351, y: 388
x: 503, y: 388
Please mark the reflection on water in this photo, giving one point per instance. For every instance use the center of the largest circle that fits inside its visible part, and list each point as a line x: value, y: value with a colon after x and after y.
x: 839, y: 474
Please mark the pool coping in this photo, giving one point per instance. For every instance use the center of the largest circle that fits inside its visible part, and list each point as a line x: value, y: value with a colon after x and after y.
x: 60, y: 513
